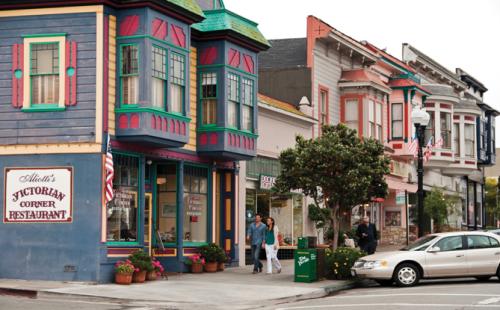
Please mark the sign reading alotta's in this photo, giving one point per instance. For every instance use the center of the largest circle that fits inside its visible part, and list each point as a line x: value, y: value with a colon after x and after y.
x: 38, y: 195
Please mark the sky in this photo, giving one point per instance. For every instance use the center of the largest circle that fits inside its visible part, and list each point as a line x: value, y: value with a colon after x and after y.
x: 455, y: 33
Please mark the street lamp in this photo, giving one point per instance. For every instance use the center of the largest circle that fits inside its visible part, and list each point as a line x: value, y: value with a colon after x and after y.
x: 420, y: 118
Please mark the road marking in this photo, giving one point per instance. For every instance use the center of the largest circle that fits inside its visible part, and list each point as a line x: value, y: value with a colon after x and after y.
x: 393, y: 304
x: 489, y: 301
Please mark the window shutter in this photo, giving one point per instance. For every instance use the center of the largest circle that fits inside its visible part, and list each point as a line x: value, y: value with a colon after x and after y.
x: 70, y: 81
x: 17, y: 75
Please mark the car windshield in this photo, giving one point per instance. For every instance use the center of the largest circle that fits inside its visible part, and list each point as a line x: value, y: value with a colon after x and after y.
x: 420, y: 245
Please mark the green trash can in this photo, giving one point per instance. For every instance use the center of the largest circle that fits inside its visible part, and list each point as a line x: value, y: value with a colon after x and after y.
x: 302, y: 243
x: 305, y: 265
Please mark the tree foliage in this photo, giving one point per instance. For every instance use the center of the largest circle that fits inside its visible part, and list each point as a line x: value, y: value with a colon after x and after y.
x: 338, y: 169
x: 438, y: 207
x: 491, y: 205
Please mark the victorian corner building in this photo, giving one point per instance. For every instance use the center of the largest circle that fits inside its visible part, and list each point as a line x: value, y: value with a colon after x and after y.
x: 195, y: 105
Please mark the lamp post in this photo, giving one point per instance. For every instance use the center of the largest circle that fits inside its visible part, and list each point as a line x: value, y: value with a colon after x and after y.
x: 420, y: 118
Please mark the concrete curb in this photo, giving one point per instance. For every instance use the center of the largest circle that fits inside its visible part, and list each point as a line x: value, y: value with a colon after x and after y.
x: 320, y: 293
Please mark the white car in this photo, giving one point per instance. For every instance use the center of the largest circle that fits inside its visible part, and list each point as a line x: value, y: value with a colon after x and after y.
x: 444, y: 255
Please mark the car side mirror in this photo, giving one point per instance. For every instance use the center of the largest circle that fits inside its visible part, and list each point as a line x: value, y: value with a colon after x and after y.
x: 434, y: 249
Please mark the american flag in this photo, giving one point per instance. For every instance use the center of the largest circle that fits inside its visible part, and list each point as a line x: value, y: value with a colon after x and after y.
x: 413, y: 147
x: 439, y: 143
x: 428, y: 150
x: 110, y: 173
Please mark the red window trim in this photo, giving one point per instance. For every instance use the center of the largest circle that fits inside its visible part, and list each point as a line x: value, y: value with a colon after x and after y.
x: 360, y: 98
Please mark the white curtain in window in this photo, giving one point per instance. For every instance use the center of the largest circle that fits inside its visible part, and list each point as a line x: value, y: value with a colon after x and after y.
x: 469, y: 140
x: 176, y: 94
x: 209, y: 111
x: 232, y: 112
x: 130, y: 86
x: 45, y: 88
x: 351, y: 113
x: 158, y: 93
x: 247, y: 117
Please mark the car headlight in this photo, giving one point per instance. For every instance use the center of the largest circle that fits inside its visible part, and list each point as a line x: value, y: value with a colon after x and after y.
x: 374, y: 264
x: 359, y: 264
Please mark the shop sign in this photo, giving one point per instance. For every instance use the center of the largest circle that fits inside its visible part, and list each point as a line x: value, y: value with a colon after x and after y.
x: 40, y: 195
x: 400, y: 197
x: 267, y: 182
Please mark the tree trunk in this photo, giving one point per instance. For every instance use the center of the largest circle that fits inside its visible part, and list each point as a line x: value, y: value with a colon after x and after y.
x: 335, y: 223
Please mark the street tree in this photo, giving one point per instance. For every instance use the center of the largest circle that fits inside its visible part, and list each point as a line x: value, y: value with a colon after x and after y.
x: 337, y: 169
x: 439, y: 207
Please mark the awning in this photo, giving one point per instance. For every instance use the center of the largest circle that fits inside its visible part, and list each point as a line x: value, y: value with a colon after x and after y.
x: 395, y: 184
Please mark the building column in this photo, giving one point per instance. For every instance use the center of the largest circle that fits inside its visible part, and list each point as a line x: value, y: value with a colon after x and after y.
x: 180, y: 215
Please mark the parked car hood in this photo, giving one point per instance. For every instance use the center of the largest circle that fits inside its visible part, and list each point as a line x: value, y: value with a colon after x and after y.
x: 384, y: 255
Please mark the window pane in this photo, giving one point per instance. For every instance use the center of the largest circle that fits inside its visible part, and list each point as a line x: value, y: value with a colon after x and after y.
x: 397, y: 129
x: 159, y: 63
x: 247, y: 117
x: 45, y: 89
x: 209, y: 107
x: 247, y: 92
x: 397, y: 112
x: 122, y: 210
x: 446, y: 129
x: 167, y: 202
x: 429, y: 129
x: 324, y: 107
x: 494, y: 243
x: 478, y: 242
x: 351, y: 110
x: 469, y: 140
x: 456, y: 139
x: 209, y: 85
x: 130, y: 86
x: 379, y: 114
x: 232, y: 112
x: 450, y: 244
x: 158, y: 89
x: 371, y: 111
x: 45, y: 58
x: 233, y: 88
x: 130, y: 60
x: 195, y: 206
x: 177, y: 70
x: 176, y: 97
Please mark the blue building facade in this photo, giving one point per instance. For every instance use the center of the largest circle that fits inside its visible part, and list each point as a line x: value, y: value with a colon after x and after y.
x: 175, y: 94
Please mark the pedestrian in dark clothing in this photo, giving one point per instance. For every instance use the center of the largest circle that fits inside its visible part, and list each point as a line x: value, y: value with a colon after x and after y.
x: 367, y: 236
x: 256, y: 235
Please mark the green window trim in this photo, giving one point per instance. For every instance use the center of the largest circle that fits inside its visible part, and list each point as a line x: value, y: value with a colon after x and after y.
x: 142, y: 36
x: 159, y: 53
x: 194, y: 244
x: 177, y: 59
x: 228, y: 129
x: 138, y: 109
x: 44, y: 35
x: 53, y: 107
x: 231, y: 69
x: 124, y: 244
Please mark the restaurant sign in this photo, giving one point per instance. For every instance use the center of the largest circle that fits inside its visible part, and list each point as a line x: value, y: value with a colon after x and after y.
x: 41, y: 195
x: 267, y: 182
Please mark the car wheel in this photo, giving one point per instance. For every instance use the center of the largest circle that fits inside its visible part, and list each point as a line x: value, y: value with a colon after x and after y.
x: 384, y: 282
x: 498, y: 272
x: 406, y: 275
x: 483, y: 278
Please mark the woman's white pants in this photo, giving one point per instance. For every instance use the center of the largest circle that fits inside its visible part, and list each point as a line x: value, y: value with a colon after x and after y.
x: 272, y: 258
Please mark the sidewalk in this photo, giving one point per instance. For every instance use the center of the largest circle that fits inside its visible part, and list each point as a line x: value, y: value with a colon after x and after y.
x: 235, y: 288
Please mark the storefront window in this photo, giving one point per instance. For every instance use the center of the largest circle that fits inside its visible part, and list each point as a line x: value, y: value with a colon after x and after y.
x: 195, y: 204
x: 166, y: 182
x: 298, y: 219
x: 471, y: 203
x: 393, y: 218
x: 281, y: 211
x: 122, y: 214
x: 250, y: 206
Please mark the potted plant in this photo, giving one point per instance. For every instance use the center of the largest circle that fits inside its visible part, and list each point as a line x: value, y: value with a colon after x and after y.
x: 196, y: 262
x: 142, y: 262
x: 157, y: 270
x: 123, y: 272
x: 221, y: 260
x: 211, y: 254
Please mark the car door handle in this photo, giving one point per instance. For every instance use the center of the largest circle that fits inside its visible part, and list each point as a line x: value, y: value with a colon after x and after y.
x: 460, y: 255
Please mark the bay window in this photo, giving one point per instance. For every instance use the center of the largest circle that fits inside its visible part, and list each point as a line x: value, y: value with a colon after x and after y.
x: 159, y: 83
x: 177, y: 82
x: 371, y: 119
x: 456, y: 139
x: 129, y: 74
x: 351, y: 114
x: 247, y: 108
x: 195, y: 204
x: 233, y: 100
x: 469, y: 140
x: 122, y: 211
x: 445, y: 119
x: 378, y: 121
x: 397, y: 120
x: 44, y: 73
x: 209, y: 98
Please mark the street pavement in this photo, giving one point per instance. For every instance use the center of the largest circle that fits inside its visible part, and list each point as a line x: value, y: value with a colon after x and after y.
x: 435, y: 294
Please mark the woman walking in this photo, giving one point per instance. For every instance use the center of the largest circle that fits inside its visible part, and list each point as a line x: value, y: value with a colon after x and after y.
x: 272, y: 246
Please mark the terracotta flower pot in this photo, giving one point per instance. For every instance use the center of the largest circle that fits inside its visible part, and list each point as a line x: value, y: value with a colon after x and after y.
x: 123, y: 278
x: 220, y: 266
x: 196, y: 268
x: 151, y: 275
x: 211, y: 267
x: 139, y: 277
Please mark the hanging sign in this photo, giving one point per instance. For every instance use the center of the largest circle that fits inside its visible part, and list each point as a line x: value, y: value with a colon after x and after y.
x: 400, y: 197
x: 267, y: 182
x: 41, y: 195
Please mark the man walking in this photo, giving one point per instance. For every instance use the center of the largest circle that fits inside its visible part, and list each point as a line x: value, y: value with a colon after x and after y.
x: 367, y: 234
x: 256, y: 235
